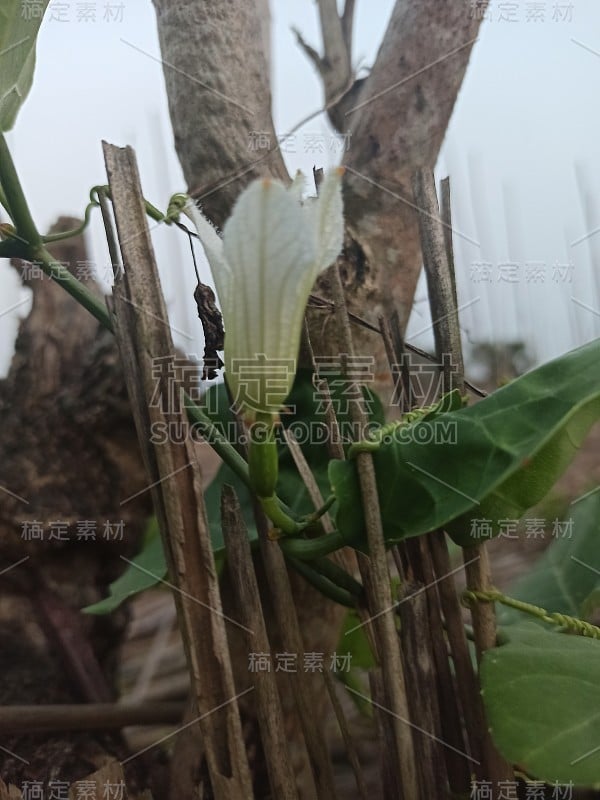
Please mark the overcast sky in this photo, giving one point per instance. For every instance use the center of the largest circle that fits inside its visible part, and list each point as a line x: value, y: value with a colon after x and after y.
x: 521, y: 150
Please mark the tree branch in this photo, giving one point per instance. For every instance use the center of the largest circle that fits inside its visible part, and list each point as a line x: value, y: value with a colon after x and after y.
x: 337, y: 53
x: 348, y: 23
x: 335, y: 66
x: 396, y: 123
x: 312, y: 54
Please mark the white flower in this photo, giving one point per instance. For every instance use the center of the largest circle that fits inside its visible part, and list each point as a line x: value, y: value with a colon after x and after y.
x: 264, y: 267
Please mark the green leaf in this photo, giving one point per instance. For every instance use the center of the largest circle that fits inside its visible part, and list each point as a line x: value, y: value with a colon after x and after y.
x: 568, y: 572
x: 146, y: 570
x: 542, y: 699
x: 19, y: 26
x: 353, y: 639
x: 491, y: 461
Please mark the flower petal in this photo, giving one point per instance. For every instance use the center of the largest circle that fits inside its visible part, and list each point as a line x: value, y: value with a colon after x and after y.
x: 297, y: 186
x: 272, y: 256
x: 327, y: 218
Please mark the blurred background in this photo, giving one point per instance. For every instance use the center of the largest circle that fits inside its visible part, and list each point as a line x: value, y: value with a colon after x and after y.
x: 521, y: 151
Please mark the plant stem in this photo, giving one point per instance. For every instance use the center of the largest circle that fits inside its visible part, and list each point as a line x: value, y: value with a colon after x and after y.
x: 4, y: 202
x: 571, y: 624
x: 30, y: 245
x: 322, y: 583
x: 337, y: 575
x: 263, y: 460
x: 58, y: 237
x: 308, y: 549
x: 275, y: 509
x: 219, y: 443
x: 281, y: 520
x: 14, y: 197
x: 320, y: 512
x: 77, y: 289
x: 151, y: 210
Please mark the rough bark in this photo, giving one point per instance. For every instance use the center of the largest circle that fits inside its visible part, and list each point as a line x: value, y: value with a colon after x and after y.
x: 216, y: 69
x: 396, y: 126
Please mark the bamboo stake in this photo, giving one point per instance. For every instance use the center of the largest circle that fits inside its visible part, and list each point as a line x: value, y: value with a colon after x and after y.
x: 87, y: 716
x: 400, y: 751
x: 436, y: 245
x: 268, y: 705
x: 141, y: 325
x: 439, y: 717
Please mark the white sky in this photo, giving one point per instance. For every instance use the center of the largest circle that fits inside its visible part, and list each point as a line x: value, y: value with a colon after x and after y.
x: 521, y: 150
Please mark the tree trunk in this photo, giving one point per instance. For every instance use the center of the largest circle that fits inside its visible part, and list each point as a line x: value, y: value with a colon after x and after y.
x: 217, y: 78
x: 216, y: 65
x: 397, y: 123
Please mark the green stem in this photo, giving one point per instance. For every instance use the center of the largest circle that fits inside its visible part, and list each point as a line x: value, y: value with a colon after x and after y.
x: 322, y: 584
x: 263, y: 459
x: 58, y: 237
x: 275, y: 510
x: 263, y: 468
x: 364, y: 446
x: 13, y: 194
x: 223, y: 448
x: 155, y: 214
x: 28, y: 242
x: 281, y: 520
x: 219, y: 443
x: 78, y: 290
x: 4, y: 202
x: 151, y: 210
x: 564, y: 621
x: 320, y: 512
x: 339, y: 576
x: 309, y: 549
